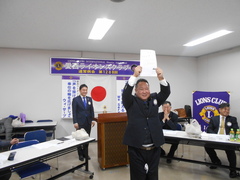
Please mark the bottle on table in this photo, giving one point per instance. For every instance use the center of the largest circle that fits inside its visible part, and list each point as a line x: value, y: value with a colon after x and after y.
x: 232, y: 135
x: 238, y: 135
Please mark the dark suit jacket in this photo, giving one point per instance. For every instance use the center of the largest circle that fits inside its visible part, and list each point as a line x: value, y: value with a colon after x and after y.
x: 138, y: 118
x: 215, y: 123
x: 4, y: 143
x: 80, y: 114
x: 172, y: 123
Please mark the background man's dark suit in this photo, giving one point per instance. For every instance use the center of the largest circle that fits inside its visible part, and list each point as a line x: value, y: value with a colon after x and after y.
x: 141, y: 116
x: 83, y: 116
x: 230, y: 122
x: 172, y: 125
x: 214, y: 124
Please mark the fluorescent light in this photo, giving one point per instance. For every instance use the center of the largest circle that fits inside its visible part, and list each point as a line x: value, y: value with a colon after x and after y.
x: 100, y: 28
x: 208, y: 37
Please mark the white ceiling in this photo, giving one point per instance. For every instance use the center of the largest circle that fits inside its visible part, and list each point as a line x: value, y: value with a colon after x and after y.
x: 161, y: 25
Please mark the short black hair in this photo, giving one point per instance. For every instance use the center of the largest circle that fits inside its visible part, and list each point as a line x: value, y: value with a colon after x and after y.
x: 167, y: 102
x: 223, y: 105
x: 141, y: 80
x: 82, y: 86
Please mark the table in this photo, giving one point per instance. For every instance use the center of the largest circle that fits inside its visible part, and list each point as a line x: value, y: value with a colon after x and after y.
x: 43, y: 152
x: 183, y: 138
x: 47, y: 126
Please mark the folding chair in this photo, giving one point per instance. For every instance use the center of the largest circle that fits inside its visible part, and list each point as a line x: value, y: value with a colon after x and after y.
x: 179, y: 127
x: 28, y: 121
x: 39, y: 135
x: 49, y: 133
x: 34, y: 169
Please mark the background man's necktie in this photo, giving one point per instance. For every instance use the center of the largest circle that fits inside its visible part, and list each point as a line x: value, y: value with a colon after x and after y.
x: 84, y: 102
x: 222, y: 126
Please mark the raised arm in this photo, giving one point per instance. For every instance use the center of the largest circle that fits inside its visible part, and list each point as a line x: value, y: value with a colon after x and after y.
x: 164, y: 85
x: 127, y: 97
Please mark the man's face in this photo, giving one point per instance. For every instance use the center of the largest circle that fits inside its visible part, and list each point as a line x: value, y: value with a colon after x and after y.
x: 83, y: 91
x: 142, y: 91
x: 166, y: 108
x: 224, y: 111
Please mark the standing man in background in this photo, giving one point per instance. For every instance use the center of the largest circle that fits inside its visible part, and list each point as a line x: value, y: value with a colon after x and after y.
x: 169, y: 120
x: 143, y: 133
x: 222, y: 124
x: 83, y: 114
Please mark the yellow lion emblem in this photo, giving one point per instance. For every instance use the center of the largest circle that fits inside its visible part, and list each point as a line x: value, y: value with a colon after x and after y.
x: 58, y: 66
x: 206, y: 111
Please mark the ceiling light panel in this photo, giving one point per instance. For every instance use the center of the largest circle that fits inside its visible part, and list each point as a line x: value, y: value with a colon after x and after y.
x: 100, y: 28
x: 208, y: 37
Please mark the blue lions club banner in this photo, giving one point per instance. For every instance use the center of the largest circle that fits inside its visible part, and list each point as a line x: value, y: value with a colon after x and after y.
x: 91, y: 66
x: 205, y: 105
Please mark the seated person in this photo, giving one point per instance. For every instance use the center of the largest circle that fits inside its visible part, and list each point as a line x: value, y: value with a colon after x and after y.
x: 6, y: 174
x: 169, y: 120
x: 222, y: 124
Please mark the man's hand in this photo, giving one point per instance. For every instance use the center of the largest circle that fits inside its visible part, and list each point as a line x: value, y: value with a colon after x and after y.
x: 93, y: 123
x: 137, y: 71
x: 76, y: 126
x: 14, y: 141
x: 166, y: 114
x: 159, y: 72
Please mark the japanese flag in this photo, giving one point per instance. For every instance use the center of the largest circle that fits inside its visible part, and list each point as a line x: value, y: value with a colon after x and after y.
x: 102, y: 90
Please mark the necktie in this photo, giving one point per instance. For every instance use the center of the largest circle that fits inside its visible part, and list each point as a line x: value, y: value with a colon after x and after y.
x: 222, y: 126
x: 84, y: 102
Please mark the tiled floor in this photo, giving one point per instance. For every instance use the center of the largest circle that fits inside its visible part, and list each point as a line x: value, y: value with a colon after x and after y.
x: 175, y: 171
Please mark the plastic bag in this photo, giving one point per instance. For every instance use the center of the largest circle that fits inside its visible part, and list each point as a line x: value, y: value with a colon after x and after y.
x: 80, y: 134
x: 17, y: 122
x: 193, y: 129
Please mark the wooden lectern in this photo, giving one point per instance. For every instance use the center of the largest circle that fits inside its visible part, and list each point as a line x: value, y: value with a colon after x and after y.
x: 111, y: 151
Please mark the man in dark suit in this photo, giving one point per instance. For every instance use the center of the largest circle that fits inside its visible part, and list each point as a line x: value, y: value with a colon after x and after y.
x: 169, y: 120
x: 143, y: 133
x: 222, y: 124
x: 83, y: 114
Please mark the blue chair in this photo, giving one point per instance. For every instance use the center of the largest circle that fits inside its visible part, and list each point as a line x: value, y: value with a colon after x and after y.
x: 28, y: 121
x: 49, y: 134
x: 34, y: 169
x: 23, y: 144
x: 179, y: 127
x: 39, y: 135
x: 45, y: 120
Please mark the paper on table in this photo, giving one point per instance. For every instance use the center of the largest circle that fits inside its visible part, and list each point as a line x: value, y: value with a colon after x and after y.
x: 148, y: 61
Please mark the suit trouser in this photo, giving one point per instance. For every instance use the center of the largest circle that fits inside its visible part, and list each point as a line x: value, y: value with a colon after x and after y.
x: 82, y: 148
x: 172, y: 150
x: 138, y: 160
x: 231, y: 155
